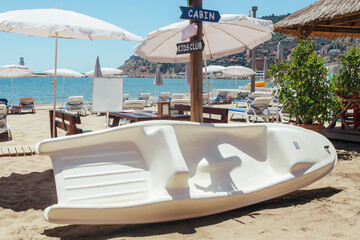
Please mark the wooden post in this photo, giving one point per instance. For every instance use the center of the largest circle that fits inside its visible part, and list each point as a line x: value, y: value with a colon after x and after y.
x: 196, y: 75
x: 253, y: 57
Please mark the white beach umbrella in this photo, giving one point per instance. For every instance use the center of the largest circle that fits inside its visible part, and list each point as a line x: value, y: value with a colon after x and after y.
x: 106, y: 72
x: 238, y: 71
x: 265, y: 69
x: 63, y: 72
x: 279, y: 54
x: 213, y: 69
x: 97, y: 70
x: 56, y: 23
x: 232, y: 34
x: 14, y: 71
x: 158, y: 78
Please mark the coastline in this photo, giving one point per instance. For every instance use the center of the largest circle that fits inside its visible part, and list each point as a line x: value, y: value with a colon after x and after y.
x: 170, y: 76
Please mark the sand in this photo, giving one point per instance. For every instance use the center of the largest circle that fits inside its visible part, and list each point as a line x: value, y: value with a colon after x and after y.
x: 327, y: 209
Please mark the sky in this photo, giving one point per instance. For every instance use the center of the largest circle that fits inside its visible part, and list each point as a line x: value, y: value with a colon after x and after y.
x: 136, y: 16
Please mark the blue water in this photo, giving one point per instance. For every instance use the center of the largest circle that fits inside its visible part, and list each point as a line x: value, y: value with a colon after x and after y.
x: 42, y: 90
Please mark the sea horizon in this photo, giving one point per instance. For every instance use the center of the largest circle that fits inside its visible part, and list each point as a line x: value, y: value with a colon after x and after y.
x: 41, y: 89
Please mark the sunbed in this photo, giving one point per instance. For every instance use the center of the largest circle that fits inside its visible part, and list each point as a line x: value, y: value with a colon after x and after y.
x: 126, y: 96
x: 27, y: 104
x: 177, y: 96
x: 75, y: 104
x: 4, y: 126
x: 134, y: 104
x: 257, y: 109
x: 221, y: 97
x: 164, y: 97
x: 184, y: 101
x: 145, y: 96
x: 250, y: 97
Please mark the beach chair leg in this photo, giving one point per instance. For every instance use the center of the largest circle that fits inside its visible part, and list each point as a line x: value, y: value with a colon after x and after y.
x: 231, y: 117
x: 9, y: 134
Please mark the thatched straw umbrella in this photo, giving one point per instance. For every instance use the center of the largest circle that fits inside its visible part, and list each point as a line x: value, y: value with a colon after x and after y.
x: 324, y: 18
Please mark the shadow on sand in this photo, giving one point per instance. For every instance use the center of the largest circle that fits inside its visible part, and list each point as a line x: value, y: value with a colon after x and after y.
x: 346, y: 145
x: 4, y: 137
x: 186, y: 226
x: 21, y: 192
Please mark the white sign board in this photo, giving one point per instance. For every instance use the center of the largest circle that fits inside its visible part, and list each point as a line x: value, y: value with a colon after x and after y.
x: 189, y: 31
x: 107, y: 94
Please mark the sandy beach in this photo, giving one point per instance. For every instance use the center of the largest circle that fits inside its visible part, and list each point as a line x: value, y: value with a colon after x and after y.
x: 327, y: 209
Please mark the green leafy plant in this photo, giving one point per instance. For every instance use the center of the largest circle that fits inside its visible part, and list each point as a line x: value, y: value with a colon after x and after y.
x: 348, y: 78
x: 305, y: 89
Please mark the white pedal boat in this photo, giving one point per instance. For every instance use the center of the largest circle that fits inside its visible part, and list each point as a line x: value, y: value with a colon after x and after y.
x: 159, y: 171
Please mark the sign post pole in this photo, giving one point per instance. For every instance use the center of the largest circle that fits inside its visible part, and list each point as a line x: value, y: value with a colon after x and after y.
x: 196, y: 75
x: 253, y: 57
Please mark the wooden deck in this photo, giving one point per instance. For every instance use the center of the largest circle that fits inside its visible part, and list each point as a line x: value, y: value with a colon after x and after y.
x: 16, y: 151
x: 341, y: 134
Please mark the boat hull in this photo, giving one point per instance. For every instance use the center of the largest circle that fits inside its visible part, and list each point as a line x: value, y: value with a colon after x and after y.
x: 165, y: 170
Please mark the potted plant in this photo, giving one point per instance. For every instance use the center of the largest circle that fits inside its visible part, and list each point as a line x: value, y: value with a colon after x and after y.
x: 347, y: 81
x: 347, y: 85
x: 305, y: 89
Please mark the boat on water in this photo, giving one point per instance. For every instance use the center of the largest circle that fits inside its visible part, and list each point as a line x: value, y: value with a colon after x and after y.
x: 258, y: 84
x: 158, y: 171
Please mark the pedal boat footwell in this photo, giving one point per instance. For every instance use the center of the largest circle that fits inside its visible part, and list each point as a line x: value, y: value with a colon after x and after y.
x: 158, y: 171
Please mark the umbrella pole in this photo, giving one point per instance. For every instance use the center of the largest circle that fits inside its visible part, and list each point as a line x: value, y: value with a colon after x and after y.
x: 207, y: 81
x: 12, y: 91
x: 54, y: 83
x: 62, y: 102
x: 107, y: 120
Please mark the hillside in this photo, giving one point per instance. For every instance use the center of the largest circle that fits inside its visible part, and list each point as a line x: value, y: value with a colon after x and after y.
x: 330, y: 50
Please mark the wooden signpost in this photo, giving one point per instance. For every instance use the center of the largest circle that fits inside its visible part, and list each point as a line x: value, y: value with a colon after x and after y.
x: 196, y: 14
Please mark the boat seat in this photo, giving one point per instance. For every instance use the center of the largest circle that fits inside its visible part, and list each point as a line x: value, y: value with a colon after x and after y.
x: 167, y: 160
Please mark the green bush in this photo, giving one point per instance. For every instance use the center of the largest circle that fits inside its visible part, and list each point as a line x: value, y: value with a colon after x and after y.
x: 348, y: 78
x: 305, y: 89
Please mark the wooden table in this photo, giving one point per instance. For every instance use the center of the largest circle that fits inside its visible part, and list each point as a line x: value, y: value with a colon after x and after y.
x: 144, y: 115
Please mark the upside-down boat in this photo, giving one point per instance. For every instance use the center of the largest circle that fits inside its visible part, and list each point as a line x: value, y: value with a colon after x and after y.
x: 159, y: 171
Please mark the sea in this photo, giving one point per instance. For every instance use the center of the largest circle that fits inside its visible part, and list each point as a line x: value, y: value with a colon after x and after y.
x: 41, y: 89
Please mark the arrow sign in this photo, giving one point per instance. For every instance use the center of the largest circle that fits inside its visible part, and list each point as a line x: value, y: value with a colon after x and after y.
x: 190, y: 47
x: 198, y: 14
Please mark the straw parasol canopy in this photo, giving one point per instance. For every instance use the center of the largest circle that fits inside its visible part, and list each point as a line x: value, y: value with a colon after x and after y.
x: 324, y: 18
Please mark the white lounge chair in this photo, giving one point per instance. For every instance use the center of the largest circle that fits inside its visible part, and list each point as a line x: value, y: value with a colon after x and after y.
x: 179, y: 101
x: 164, y: 97
x: 221, y: 97
x: 75, y: 104
x: 257, y: 109
x: 126, y: 96
x: 27, y: 104
x: 177, y: 96
x: 4, y: 126
x: 134, y: 104
x: 206, y: 99
x: 156, y: 171
x: 5, y: 102
x: 146, y: 97
x: 248, y: 100
x: 280, y: 112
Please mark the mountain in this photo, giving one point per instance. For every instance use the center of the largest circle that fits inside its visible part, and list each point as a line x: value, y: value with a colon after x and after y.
x: 331, y: 50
